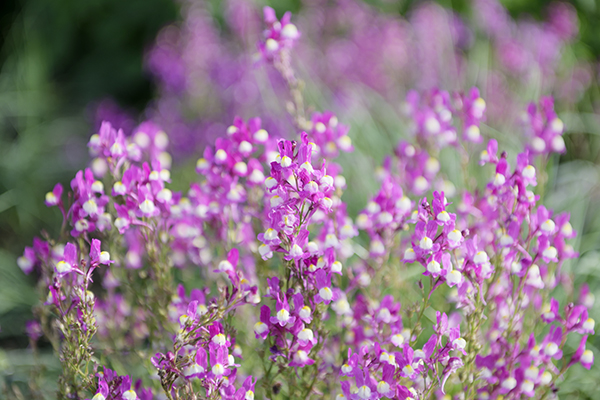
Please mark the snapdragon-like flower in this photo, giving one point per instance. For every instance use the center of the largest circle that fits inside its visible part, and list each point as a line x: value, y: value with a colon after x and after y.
x: 431, y: 116
x: 111, y: 386
x: 329, y: 135
x: 54, y: 198
x: 279, y: 36
x: 545, y: 129
x: 471, y: 108
x: 282, y: 315
x: 69, y: 263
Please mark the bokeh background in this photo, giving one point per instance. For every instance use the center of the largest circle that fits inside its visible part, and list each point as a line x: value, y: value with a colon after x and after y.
x: 65, y: 65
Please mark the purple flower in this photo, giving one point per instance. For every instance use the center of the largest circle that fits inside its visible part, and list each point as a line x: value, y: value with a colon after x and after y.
x: 367, y: 390
x: 279, y: 36
x: 583, y: 356
x: 247, y: 390
x: 325, y: 294
x: 348, y: 369
x: 53, y: 198
x: 219, y: 360
x: 300, y: 357
x: 282, y: 315
x: 199, y: 368
x: 69, y: 262
x: 27, y: 261
x: 551, y: 346
x: 261, y: 328
x: 551, y: 313
x: 97, y: 256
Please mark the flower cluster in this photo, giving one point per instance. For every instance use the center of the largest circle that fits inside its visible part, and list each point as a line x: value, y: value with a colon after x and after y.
x: 229, y: 194
x: 204, y: 349
x: 329, y: 136
x: 66, y: 274
x: 378, y: 373
x: 111, y: 386
x: 432, y: 116
x: 279, y: 36
x: 545, y: 128
x: 297, y: 191
x: 301, y: 197
x: 385, y: 215
x: 500, y: 256
x: 138, y: 192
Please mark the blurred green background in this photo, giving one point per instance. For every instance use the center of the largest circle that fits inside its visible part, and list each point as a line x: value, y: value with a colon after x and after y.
x: 59, y: 58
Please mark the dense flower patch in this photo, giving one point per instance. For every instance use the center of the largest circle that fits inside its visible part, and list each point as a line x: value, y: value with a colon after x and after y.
x: 453, y: 293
